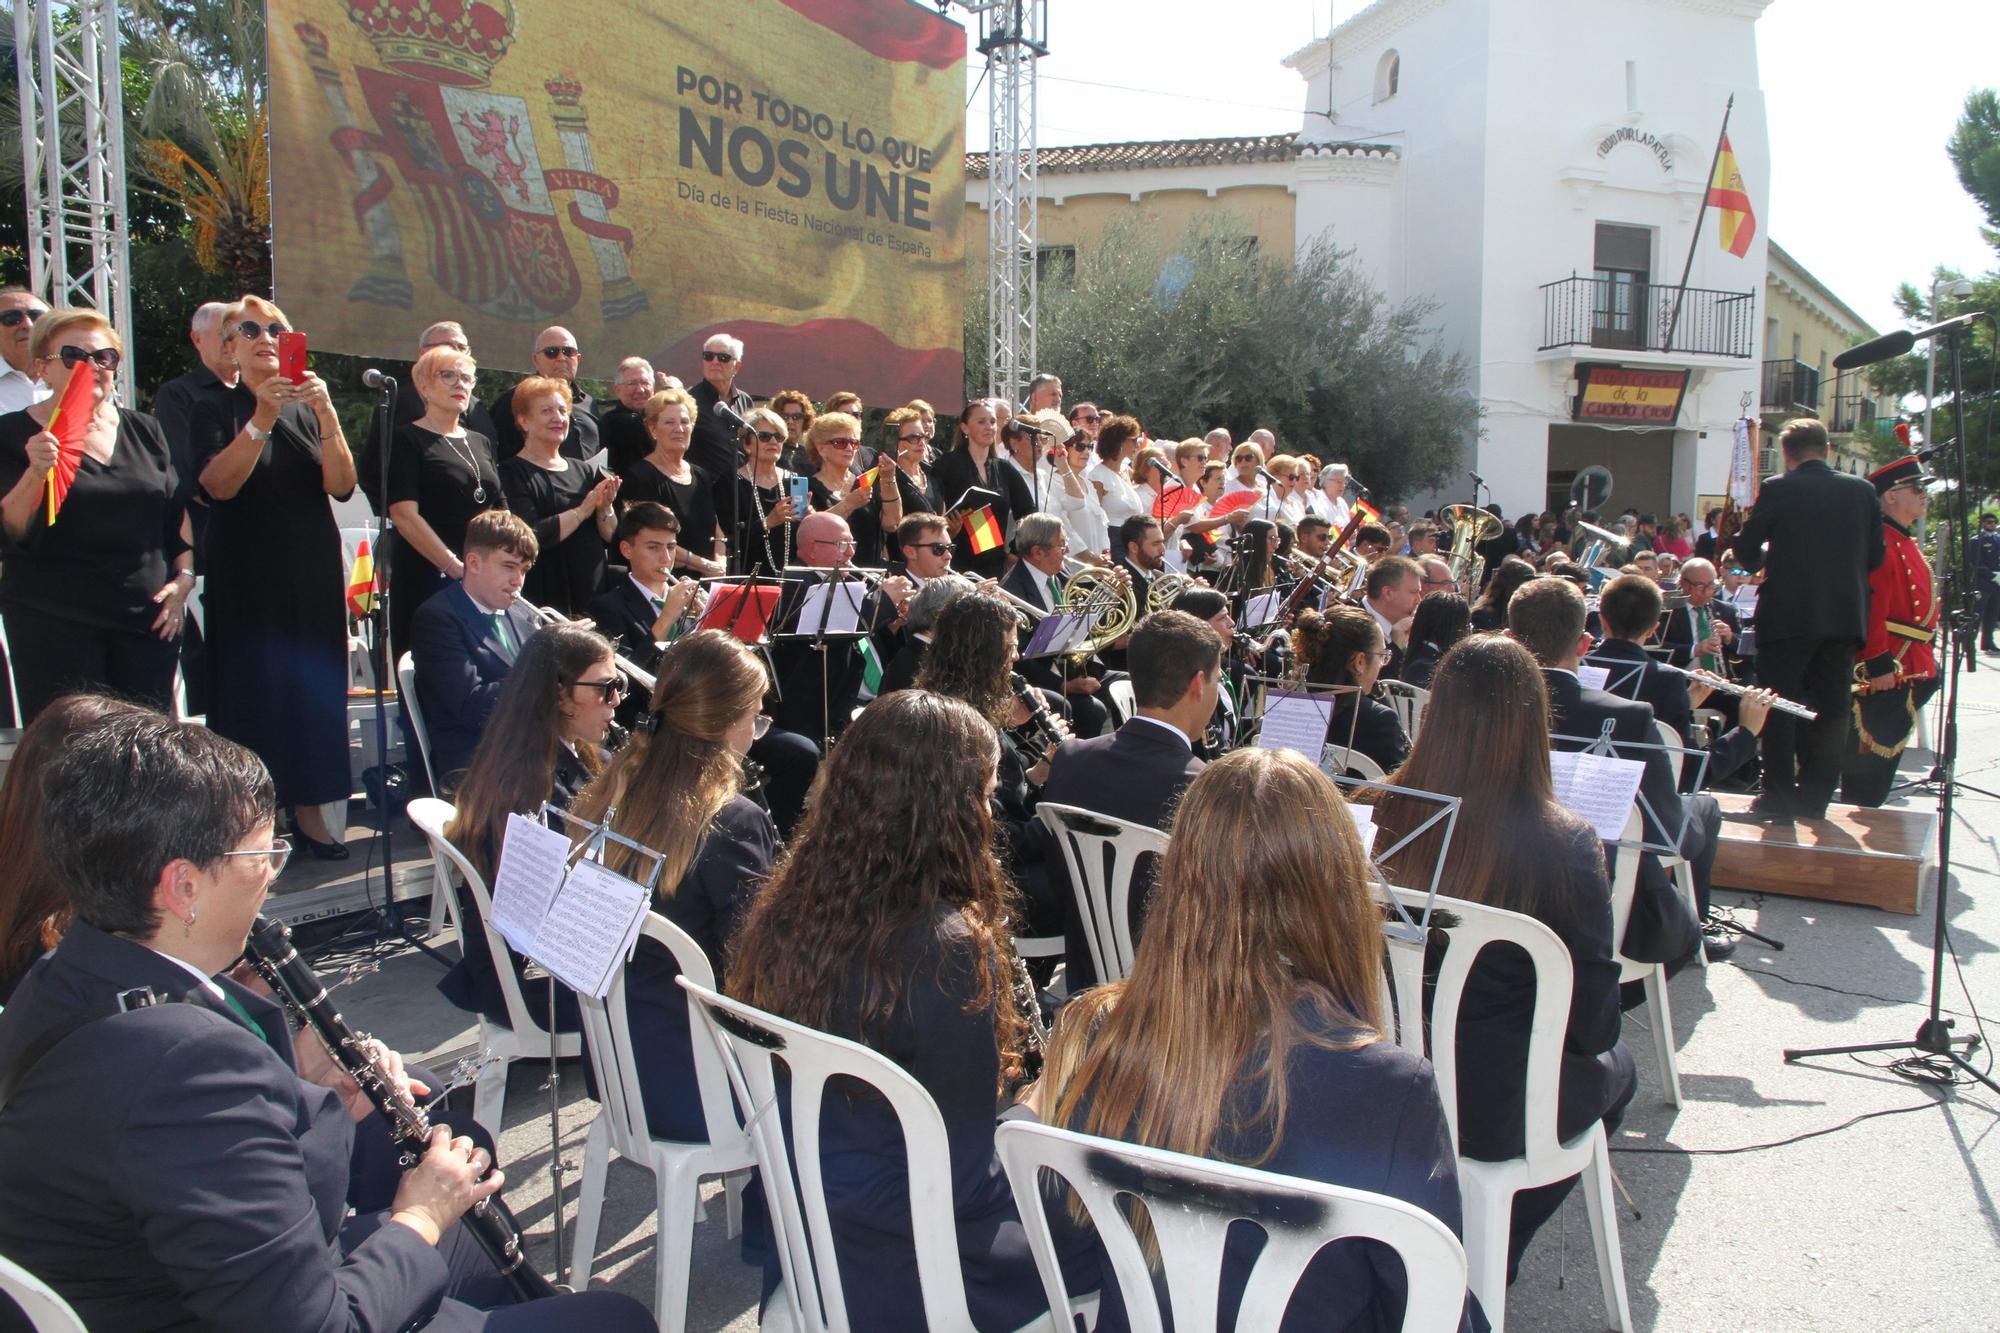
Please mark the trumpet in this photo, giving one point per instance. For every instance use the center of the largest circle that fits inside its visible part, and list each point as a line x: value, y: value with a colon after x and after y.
x: 640, y: 676
x: 1782, y: 705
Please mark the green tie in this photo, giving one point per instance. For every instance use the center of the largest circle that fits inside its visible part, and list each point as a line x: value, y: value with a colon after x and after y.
x: 506, y: 635
x: 1702, y: 629
x: 244, y: 1013
x: 1055, y: 591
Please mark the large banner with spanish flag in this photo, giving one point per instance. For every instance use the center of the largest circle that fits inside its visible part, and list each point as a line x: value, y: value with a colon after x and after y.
x: 644, y: 173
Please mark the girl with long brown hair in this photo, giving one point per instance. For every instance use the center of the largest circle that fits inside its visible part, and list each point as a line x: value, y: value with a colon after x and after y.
x: 678, y: 789
x: 34, y: 908
x: 1343, y: 645
x: 889, y: 921
x: 1251, y: 1028
x: 1486, y: 741
x: 542, y: 743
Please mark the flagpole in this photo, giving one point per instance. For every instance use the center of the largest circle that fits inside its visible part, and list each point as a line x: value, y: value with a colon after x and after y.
x: 1707, y: 188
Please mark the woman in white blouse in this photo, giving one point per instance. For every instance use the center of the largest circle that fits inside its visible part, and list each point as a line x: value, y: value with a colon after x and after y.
x: 1117, y: 441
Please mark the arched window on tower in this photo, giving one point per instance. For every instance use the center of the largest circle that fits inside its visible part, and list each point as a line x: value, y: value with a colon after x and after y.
x: 1388, y: 74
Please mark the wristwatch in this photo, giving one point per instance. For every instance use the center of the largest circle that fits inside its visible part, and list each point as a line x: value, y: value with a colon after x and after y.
x: 256, y: 432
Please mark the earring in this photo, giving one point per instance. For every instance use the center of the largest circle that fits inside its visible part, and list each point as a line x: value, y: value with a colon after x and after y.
x: 187, y: 926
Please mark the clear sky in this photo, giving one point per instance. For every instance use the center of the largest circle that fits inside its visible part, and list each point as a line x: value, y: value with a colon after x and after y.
x: 1860, y: 98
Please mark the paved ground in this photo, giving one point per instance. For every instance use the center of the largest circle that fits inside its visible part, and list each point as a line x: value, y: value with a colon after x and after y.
x: 1887, y: 1223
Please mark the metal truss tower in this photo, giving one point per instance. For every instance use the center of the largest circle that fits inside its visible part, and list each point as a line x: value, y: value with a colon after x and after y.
x: 73, y: 160
x: 1013, y: 36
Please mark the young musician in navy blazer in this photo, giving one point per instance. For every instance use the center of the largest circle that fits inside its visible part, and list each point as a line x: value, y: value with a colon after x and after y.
x: 541, y: 744
x: 677, y: 788
x: 642, y: 611
x: 887, y: 921
x: 1343, y: 645
x: 1252, y: 1030
x: 466, y: 638
x: 168, y: 1157
x: 1823, y: 531
x: 1485, y: 741
x: 1138, y: 772
x: 1546, y: 617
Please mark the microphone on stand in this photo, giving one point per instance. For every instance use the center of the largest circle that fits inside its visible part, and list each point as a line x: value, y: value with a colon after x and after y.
x: 1897, y: 343
x: 372, y: 378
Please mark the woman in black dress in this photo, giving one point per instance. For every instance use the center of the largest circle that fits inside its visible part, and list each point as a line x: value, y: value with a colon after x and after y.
x: 666, y: 477
x: 568, y: 502
x: 440, y: 475
x: 270, y: 453
x: 1486, y: 741
x: 678, y: 789
x: 1343, y: 646
x: 831, y: 444
x: 976, y: 461
x: 754, y: 505
x: 94, y: 600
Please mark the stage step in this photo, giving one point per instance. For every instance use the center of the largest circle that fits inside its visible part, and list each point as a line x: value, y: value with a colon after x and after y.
x: 1876, y: 858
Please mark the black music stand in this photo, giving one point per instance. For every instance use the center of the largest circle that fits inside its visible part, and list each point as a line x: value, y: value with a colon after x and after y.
x: 821, y: 635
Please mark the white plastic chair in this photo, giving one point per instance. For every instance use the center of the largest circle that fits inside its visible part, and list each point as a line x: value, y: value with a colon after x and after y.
x: 1102, y: 855
x: 525, y: 1035
x: 1192, y: 1202
x: 1121, y: 701
x: 1488, y: 1188
x: 1653, y: 976
x: 1338, y: 761
x: 46, y: 1311
x: 678, y: 1168
x: 752, y: 1042
x: 406, y: 678
x: 1409, y: 701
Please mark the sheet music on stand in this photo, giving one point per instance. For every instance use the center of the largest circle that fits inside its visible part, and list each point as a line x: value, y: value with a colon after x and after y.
x: 1057, y: 633
x: 1407, y: 935
x: 1653, y: 836
x: 1290, y: 715
x: 1262, y: 608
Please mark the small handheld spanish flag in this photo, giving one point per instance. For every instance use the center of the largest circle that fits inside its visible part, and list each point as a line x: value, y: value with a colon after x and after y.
x: 982, y: 530
x: 361, y: 582
x: 68, y: 423
x: 867, y: 479
x: 1369, y: 513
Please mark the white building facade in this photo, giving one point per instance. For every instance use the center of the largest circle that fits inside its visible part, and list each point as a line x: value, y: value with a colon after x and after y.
x: 1550, y: 162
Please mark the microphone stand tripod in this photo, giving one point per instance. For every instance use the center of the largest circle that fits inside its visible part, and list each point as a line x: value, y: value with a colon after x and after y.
x: 1934, y: 1036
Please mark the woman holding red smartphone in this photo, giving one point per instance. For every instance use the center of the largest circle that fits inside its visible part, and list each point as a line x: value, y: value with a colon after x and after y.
x: 270, y: 452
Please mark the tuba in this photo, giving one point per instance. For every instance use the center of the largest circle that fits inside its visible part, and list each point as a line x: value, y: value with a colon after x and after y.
x: 1471, y: 528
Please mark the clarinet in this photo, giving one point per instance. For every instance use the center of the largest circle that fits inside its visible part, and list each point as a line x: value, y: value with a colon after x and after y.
x: 1045, y: 737
x: 269, y: 950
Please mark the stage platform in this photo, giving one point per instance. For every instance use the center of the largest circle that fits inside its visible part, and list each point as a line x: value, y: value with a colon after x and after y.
x: 1875, y: 858
x: 313, y: 890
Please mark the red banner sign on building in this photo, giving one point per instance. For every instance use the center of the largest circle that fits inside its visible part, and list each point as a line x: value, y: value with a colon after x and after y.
x: 1627, y: 397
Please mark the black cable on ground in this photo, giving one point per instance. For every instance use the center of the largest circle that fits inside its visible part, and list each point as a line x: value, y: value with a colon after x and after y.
x: 1671, y: 1151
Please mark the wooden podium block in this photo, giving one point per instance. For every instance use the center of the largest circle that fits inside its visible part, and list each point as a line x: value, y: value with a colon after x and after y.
x: 1877, y: 858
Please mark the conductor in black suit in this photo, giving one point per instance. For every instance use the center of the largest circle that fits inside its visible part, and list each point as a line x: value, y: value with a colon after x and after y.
x: 170, y: 1156
x: 1138, y: 772
x: 1817, y: 534
x: 465, y: 639
x: 1546, y: 617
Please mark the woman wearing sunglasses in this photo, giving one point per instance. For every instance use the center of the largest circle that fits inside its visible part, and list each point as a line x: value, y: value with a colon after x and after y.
x: 544, y: 742
x: 94, y: 598
x: 678, y: 789
x: 831, y: 444
x: 270, y: 452
x: 754, y: 502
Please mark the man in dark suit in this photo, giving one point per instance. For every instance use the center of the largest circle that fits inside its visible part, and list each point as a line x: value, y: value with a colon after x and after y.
x: 1630, y: 611
x: 1817, y: 534
x: 1138, y: 772
x: 1681, y: 628
x: 1546, y: 616
x: 621, y: 427
x: 465, y: 639
x: 1985, y: 561
x: 819, y: 688
x: 1395, y: 585
x: 1042, y: 544
x: 557, y: 357
x: 713, y: 446
x: 409, y: 405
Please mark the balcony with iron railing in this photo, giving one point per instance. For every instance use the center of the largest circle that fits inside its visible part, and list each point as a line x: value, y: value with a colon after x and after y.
x: 1849, y: 412
x: 1636, y: 317
x: 1790, y: 387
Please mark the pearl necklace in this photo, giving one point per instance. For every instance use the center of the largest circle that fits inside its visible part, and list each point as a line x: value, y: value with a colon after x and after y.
x: 763, y: 522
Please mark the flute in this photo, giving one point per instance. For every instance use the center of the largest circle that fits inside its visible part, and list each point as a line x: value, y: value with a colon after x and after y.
x: 1783, y: 705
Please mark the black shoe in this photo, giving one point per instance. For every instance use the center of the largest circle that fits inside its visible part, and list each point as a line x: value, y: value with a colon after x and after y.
x: 1989, y: 647
x: 1717, y: 943
x: 322, y: 851
x: 1772, y: 805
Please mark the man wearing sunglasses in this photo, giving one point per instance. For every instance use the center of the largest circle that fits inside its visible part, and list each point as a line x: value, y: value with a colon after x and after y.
x: 557, y: 356
x: 410, y: 406
x: 713, y: 447
x: 19, y: 309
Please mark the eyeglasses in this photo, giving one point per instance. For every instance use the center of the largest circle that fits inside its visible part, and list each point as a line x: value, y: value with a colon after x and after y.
x: 607, y: 689
x: 277, y: 854
x: 1093, y: 418
x: 839, y: 442
x: 15, y: 318
x: 1079, y: 445
x: 768, y: 437
x: 252, y: 330
x: 1695, y: 585
x: 718, y: 356
x: 564, y: 352
x: 935, y: 548
x: 839, y: 543
x: 456, y: 377
x: 107, y: 357
x: 793, y: 415
x: 918, y: 438
x: 760, y: 727
x: 1382, y: 654
x: 1437, y: 583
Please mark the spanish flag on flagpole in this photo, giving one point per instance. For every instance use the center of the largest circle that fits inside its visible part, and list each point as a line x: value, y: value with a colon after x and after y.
x: 361, y: 583
x: 1728, y: 197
